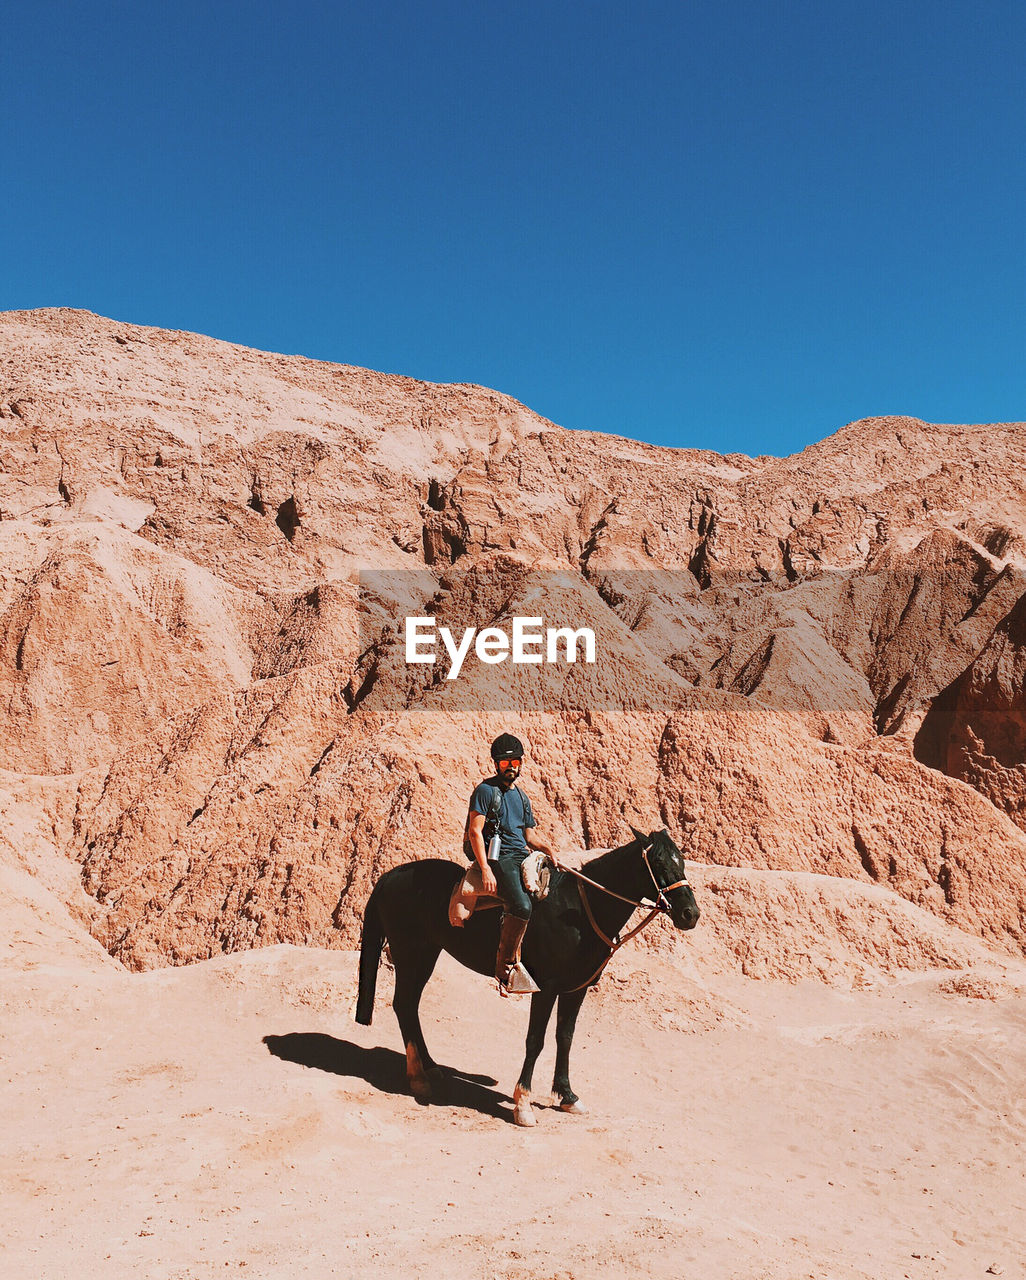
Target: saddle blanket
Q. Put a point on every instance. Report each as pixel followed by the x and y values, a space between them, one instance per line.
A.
pixel 468 897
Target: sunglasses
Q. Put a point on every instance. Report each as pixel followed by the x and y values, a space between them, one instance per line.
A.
pixel 515 763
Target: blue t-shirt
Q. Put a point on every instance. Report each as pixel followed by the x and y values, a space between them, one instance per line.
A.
pixel 514 814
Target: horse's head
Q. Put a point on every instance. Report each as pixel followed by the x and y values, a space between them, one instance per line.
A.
pixel 666 864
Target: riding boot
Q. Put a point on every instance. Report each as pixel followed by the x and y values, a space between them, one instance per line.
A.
pixel 512 977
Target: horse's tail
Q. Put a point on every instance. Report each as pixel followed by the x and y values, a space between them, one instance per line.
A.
pixel 371 942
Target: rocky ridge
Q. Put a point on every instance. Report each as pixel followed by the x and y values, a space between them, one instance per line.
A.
pixel 207 720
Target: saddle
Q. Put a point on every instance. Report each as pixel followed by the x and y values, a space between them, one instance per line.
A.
pixel 468 897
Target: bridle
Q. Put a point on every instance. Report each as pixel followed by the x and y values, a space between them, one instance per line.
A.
pixel 661 906
pixel 661 902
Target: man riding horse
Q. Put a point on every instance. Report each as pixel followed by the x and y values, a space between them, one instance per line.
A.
pixel 500 834
pixel 575 931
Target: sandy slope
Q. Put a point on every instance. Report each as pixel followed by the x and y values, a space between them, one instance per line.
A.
pixel 230 1118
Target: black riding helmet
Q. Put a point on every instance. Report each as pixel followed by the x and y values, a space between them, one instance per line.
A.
pixel 506 747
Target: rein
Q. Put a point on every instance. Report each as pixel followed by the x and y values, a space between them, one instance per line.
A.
pixel 659 907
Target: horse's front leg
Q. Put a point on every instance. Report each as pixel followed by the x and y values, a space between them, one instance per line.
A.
pixel 542 1003
pixel 566 1021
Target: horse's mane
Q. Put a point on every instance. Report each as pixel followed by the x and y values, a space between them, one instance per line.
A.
pixel 605 859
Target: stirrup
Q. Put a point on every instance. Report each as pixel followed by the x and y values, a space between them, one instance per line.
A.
pixel 518 982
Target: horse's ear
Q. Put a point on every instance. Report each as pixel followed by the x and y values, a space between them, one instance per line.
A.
pixel 639 835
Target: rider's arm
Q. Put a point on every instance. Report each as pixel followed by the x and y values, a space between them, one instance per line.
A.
pixel 475 834
pixel 535 841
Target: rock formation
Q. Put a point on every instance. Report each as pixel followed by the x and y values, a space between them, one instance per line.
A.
pixel 812 664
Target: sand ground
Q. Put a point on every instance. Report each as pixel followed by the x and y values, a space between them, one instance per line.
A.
pixel 231 1118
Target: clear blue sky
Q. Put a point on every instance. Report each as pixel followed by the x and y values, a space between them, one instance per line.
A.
pixel 733 225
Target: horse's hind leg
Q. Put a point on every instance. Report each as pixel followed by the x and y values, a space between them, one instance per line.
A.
pixel 566 1021
pixel 411 975
pixel 542 1003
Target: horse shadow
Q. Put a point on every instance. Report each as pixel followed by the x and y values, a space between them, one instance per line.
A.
pixel 385 1070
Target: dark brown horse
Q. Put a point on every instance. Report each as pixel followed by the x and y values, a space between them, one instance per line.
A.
pixel 571 934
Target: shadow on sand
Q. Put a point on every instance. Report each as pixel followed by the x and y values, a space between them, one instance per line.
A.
pixel 385 1069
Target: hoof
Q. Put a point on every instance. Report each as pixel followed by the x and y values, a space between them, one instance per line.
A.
pixel 422 1091
pixel 574 1108
pixel 438 1085
pixel 420 1084
pixel 522 1113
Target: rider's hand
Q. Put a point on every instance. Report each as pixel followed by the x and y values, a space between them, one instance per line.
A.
pixel 489 884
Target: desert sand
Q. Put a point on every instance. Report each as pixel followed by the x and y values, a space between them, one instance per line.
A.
pixel 231 1117
pixel 210 748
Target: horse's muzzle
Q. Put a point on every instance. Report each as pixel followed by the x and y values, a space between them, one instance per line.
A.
pixel 685 912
